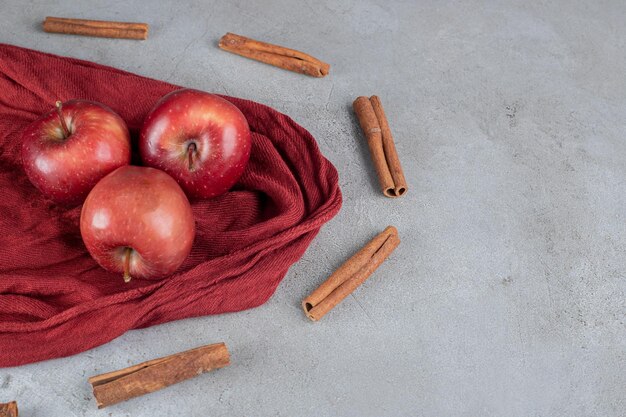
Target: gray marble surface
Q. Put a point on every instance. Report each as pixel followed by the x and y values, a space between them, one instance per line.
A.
pixel 507 294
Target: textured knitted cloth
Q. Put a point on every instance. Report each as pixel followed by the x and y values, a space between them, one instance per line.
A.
pixel 56 301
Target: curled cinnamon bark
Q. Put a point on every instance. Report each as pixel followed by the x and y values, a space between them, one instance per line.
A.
pixel 8 409
pixel 99 28
pixel 351 274
pixel 279 56
pixel 374 124
pixel 150 376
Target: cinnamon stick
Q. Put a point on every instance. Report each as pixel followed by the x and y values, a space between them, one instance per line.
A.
pixel 276 55
pixel 99 28
pixel 351 274
pixel 153 375
pixel 8 409
pixel 374 124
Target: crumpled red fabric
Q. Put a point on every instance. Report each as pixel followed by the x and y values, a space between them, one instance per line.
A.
pixel 56 301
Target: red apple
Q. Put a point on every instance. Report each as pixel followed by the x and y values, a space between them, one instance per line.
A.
pixel 138 222
pixel 68 150
pixel 200 139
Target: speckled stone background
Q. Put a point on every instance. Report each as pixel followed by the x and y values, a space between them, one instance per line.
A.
pixel 507 294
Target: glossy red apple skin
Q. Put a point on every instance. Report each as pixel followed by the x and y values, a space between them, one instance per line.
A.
pixel 66 169
pixel 212 129
pixel 145 210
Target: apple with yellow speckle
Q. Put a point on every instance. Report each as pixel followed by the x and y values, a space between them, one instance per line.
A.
pixel 203 141
pixel 137 222
pixel 68 150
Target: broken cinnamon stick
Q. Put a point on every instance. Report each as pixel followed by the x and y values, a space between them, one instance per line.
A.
pixel 99 28
pixel 351 274
pixel 153 375
pixel 374 123
pixel 8 409
pixel 276 55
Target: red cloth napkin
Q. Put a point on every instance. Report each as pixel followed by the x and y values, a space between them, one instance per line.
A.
pixel 56 301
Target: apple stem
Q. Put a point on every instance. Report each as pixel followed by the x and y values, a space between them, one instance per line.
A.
pixel 127 253
pixel 66 131
pixel 191 150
